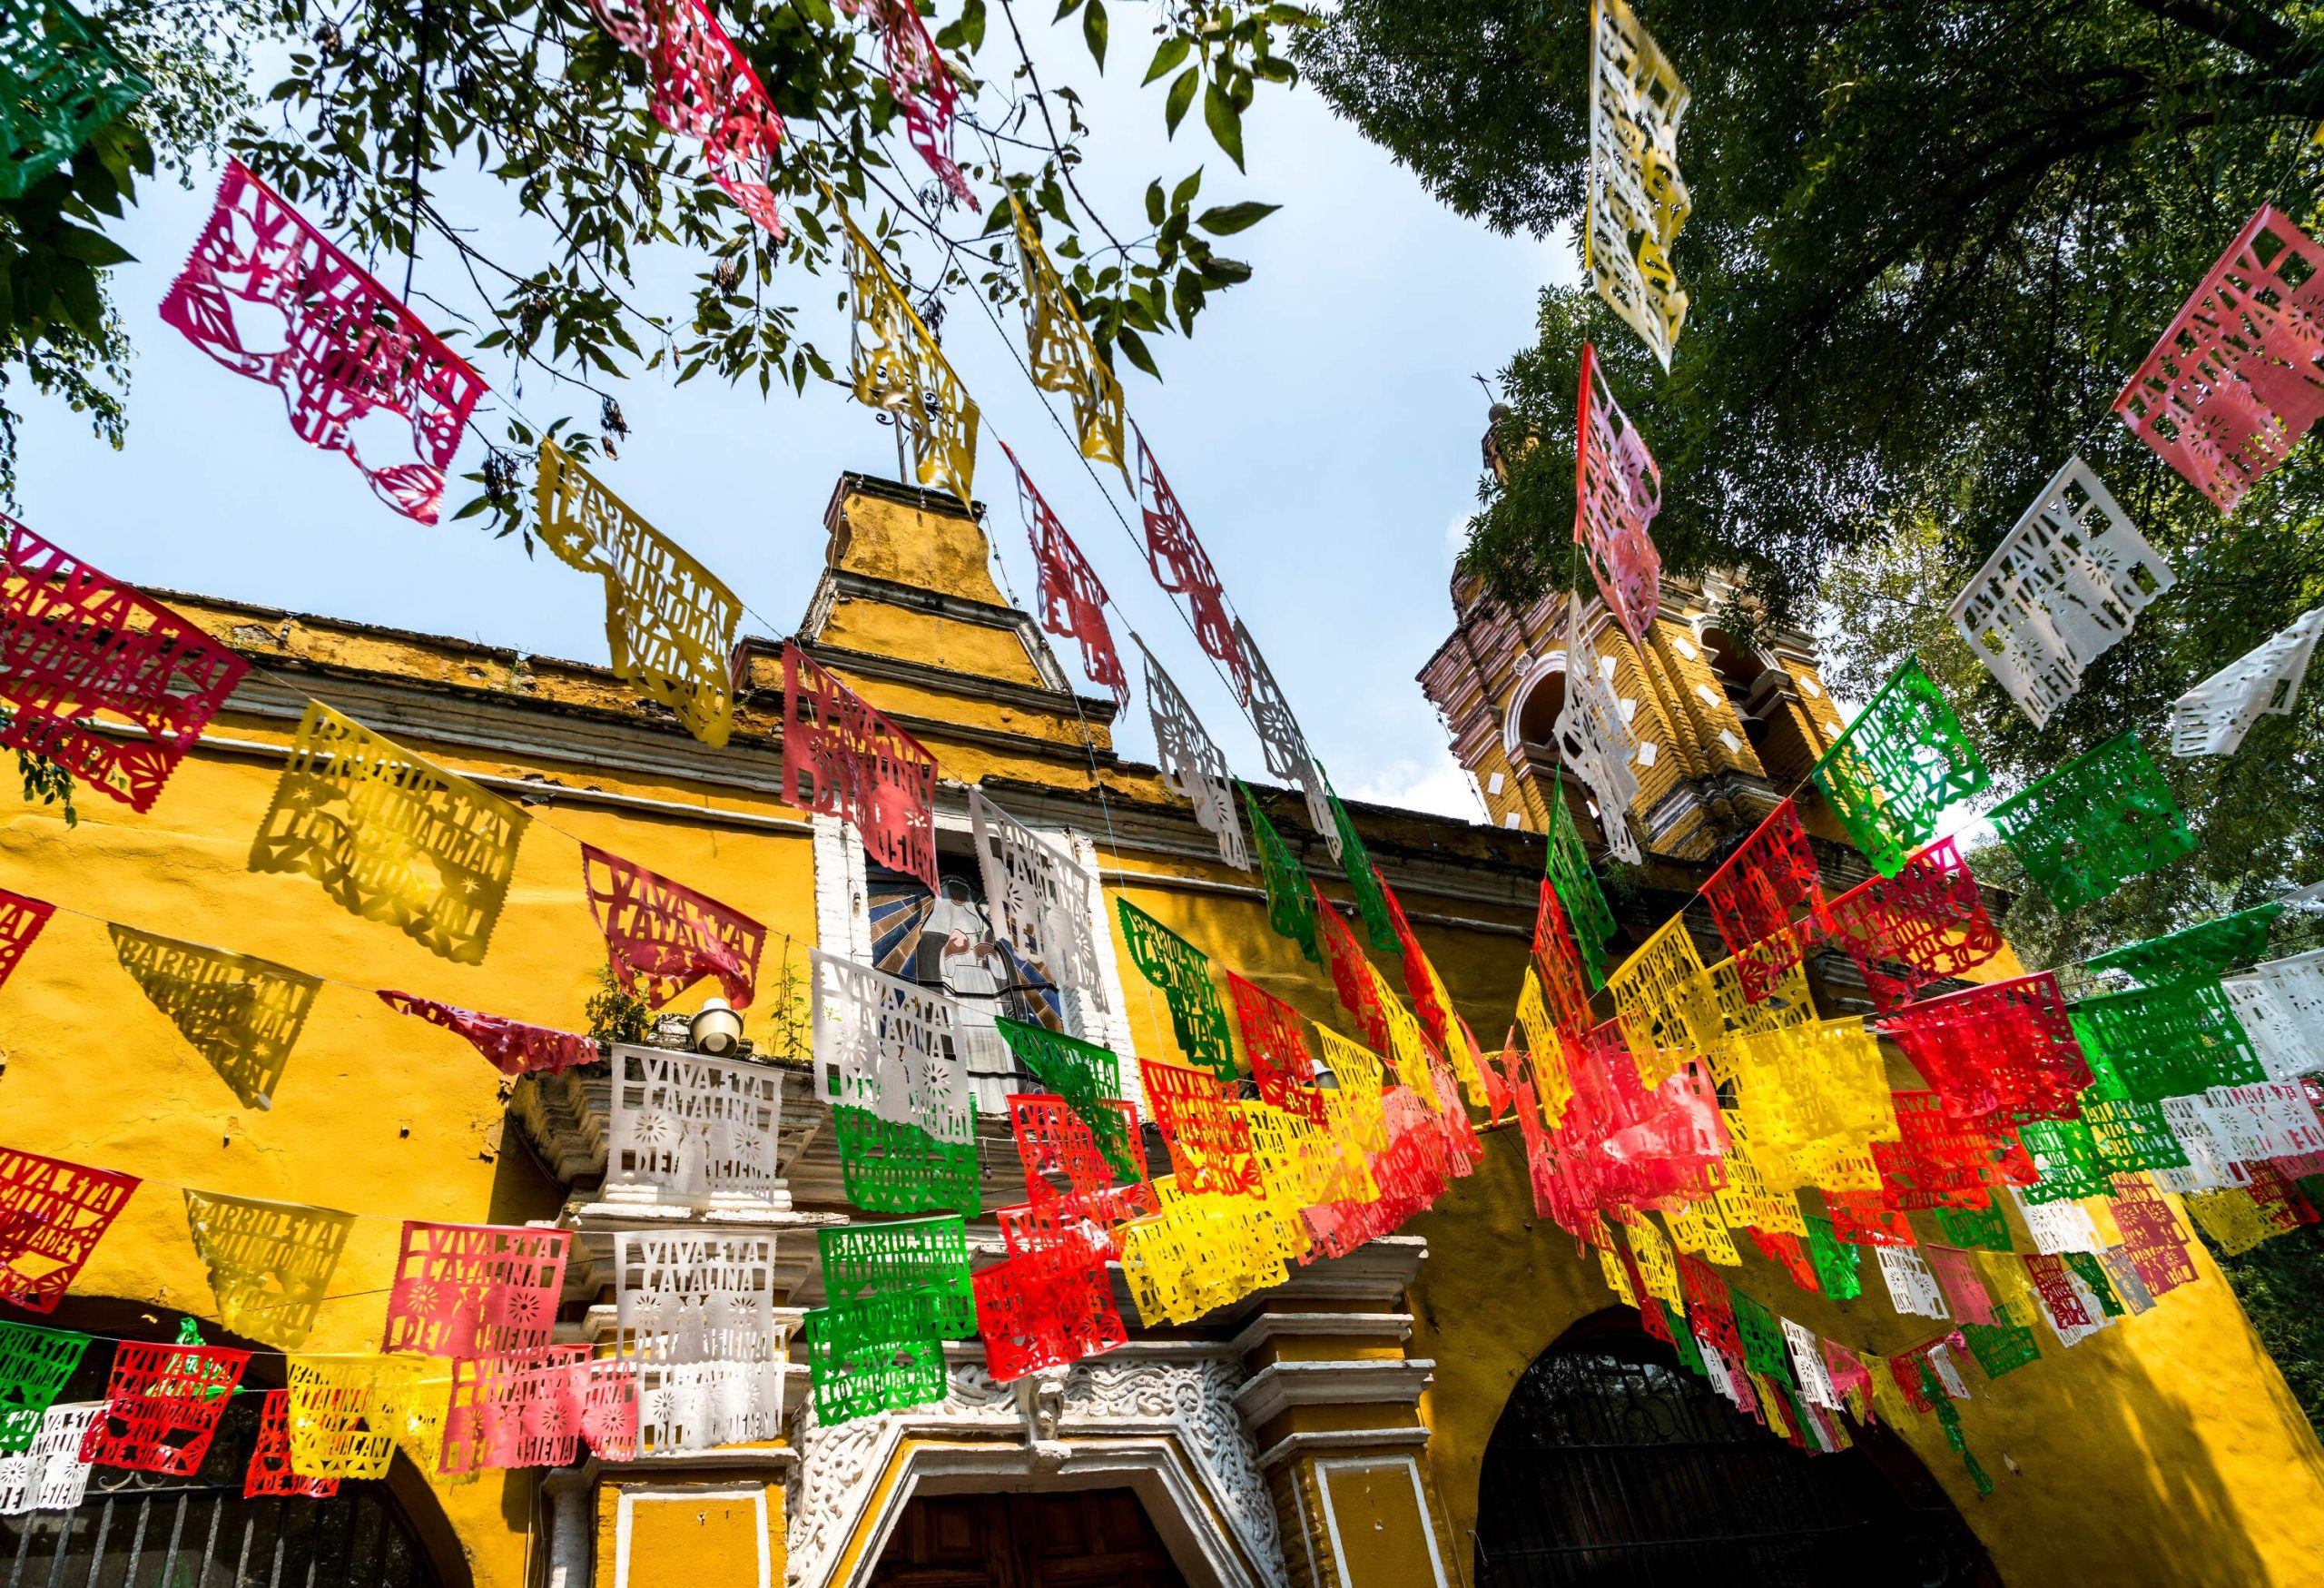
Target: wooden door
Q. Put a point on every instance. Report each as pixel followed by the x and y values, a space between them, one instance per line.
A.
pixel 1093 1538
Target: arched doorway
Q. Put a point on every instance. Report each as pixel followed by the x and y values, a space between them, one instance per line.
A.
pixel 1611 1463
pixel 137 1529
pixel 1091 1538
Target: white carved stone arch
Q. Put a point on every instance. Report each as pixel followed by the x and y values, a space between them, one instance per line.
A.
pixel 1533 678
pixel 1161 1423
pixel 1648 750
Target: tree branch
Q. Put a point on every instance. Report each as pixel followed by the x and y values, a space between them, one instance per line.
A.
pixel 1041 100
pixel 2263 38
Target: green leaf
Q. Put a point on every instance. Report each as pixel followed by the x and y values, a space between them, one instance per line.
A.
pixel 1093 32
pixel 1225 122
pixel 1182 94
pixel 1167 58
pixel 1226 219
pixel 1155 208
pixel 1225 272
pixel 1184 194
pixel 1134 346
pixel 91 248
pixel 967 31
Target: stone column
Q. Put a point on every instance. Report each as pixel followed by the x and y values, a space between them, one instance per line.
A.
pixel 572 1547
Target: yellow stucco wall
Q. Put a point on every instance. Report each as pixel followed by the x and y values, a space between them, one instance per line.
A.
pixel 705 1533
pixel 2166 1450
pixel 376 1114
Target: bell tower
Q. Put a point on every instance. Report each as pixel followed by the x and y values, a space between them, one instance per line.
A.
pixel 1721 730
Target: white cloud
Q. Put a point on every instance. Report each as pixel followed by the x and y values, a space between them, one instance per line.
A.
pixel 1456 535
pixel 1436 785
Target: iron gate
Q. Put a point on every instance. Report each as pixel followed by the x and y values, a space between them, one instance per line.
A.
pixel 142 1530
pixel 1611 1464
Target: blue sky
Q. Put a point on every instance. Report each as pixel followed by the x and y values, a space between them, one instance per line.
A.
pixel 1321 427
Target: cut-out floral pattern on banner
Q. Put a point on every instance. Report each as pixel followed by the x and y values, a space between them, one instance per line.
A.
pixel 162 1406
pixel 1183 569
pixel 890 1061
pixel 1637 199
pixel 36 1364
pixel 2007 1047
pixel 350 1413
pixel 670 622
pixel 241 1013
pixel 2202 953
pixel 1209 1140
pixel 2212 718
pixel 1925 923
pixel 921 84
pixel 1050 1303
pixel 1063 357
pixel 73 642
pixel 1618 491
pixel 662 937
pixel 687 1124
pixel 1191 763
pixel 1767 887
pixel 1594 740
pixel 1898 767
pixel 1042 900
pixel 2229 388
pixel 2059 592
pixel 1072 596
pixel 2093 824
pixel 843 758
pixel 269 1262
pixel 391 838
pixel 270 1474
pixel 1086 1076
pixel 52 1213
pixel 1285 746
pixel 703 88
pixel 475 1289
pixel 1274 1041
pixel 1181 972
pixel 896 366
pixel 347 348
pixel 1660 996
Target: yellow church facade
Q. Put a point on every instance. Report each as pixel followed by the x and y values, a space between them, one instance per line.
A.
pixel 1461 1405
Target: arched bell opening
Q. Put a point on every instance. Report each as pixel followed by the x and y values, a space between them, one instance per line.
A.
pixel 1531 738
pixel 1611 1463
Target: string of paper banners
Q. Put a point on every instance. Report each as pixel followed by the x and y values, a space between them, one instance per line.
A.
pixel 2190 1080
pixel 466 1375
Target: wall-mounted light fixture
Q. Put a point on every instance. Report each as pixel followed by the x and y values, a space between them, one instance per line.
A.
pixel 717 1030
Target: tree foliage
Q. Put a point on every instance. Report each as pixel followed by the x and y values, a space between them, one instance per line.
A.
pixel 508 143
pixel 2280 1284
pixel 1930 239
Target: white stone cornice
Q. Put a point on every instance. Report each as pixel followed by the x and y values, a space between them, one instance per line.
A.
pixel 1275 1388
pixel 1290 1447
pixel 1269 1325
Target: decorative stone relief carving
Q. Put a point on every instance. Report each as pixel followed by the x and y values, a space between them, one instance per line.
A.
pixel 1192 1402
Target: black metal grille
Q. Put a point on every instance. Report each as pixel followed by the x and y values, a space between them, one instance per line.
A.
pixel 1611 1465
pixel 140 1530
